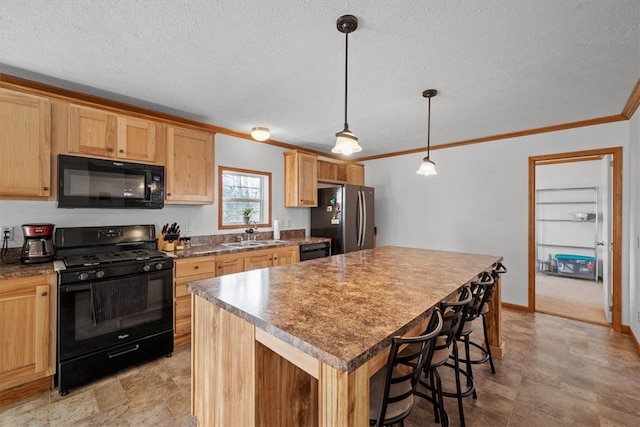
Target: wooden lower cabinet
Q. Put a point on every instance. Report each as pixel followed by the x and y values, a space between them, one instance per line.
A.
pixel 191 269
pixel 187 270
pixel 229 264
pixel 27 336
pixel 286 255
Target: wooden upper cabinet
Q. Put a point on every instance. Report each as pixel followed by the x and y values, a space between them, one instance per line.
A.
pixel 351 173
pixel 140 140
pixel 27 330
pixel 25 145
pixel 99 133
pixel 300 179
pixel 340 173
pixel 189 176
pixel 91 132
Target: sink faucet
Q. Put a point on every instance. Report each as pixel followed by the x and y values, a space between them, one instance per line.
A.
pixel 252 230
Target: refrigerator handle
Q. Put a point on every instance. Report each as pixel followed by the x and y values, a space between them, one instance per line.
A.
pixel 359 220
pixel 364 218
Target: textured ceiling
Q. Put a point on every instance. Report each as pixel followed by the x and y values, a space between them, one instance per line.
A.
pixel 500 66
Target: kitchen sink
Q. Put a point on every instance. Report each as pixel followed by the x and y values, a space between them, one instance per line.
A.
pixel 243 244
pixel 272 242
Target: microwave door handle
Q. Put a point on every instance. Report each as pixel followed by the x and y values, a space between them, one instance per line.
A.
pixel 147 187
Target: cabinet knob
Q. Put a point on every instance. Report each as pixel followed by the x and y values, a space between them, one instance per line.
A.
pixel 45 188
pixel 44 294
pixel 168 194
pixel 196 267
pixel 109 149
pixel 122 151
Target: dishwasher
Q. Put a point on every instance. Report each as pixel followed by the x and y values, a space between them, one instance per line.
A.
pixel 314 250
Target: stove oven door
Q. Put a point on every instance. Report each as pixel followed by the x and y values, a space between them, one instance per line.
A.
pixel 102 314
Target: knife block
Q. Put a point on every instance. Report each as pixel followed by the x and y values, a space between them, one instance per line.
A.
pixel 166 246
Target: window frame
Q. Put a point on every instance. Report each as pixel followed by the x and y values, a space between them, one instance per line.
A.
pixel 221 171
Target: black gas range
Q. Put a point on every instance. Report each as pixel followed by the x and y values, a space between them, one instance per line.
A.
pixel 115 301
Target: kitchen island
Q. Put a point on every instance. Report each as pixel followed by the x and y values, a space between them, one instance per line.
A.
pixel 296 344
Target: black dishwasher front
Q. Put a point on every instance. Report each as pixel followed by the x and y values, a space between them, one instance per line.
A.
pixel 314 250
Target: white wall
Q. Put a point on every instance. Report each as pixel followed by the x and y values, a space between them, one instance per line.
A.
pixel 478 202
pixel 634 255
pixel 230 151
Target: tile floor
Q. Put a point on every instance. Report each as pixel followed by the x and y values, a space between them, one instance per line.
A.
pixel 555 372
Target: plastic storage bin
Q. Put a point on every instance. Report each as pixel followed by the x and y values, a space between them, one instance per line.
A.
pixel 576 265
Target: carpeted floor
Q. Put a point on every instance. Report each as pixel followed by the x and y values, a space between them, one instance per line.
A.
pixel 571 298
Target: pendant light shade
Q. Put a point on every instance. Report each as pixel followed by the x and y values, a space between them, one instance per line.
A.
pixel 260 133
pixel 346 141
pixel 428 167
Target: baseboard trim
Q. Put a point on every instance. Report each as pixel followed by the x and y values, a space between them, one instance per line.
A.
pixel 514 306
pixel 23 391
pixel 626 329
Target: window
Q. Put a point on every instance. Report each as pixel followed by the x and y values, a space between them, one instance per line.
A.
pixel 240 189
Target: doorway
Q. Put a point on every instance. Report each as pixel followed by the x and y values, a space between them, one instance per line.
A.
pixel 589 212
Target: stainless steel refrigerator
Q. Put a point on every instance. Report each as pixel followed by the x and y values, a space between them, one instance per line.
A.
pixel 345 214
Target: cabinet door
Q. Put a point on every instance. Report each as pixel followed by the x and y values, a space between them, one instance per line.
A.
pixel 182 316
pixel 301 179
pixel 25 335
pixel 228 264
pixel 138 140
pixel 258 259
pixel 91 132
pixel 189 166
pixel 353 173
pixel 288 255
pixel 25 145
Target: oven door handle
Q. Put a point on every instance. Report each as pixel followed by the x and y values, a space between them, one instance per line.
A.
pixel 123 352
pixel 76 288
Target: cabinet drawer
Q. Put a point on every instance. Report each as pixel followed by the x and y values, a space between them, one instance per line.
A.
pixel 195 266
pixel 181 288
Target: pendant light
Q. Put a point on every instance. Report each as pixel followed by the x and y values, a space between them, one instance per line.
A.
pixel 428 167
pixel 346 141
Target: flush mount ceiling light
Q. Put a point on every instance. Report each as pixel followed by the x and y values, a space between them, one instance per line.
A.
pixel 428 167
pixel 260 133
pixel 346 141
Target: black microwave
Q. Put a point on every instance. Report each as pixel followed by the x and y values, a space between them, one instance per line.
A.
pixel 94 183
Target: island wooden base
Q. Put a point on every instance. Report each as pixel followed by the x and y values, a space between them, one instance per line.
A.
pixel 238 380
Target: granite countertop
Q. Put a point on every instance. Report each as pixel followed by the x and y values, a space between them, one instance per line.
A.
pixel 14 269
pixel 344 309
pixel 218 249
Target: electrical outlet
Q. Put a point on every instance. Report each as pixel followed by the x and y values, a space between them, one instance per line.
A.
pixel 288 223
pixel 638 316
pixel 7 232
pixel 187 226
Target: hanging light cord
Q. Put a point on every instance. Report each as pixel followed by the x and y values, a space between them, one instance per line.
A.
pixel 429 129
pixel 346 68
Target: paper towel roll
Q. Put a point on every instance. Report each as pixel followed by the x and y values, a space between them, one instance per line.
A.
pixel 276 229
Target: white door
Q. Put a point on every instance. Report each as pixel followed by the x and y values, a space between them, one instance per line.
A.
pixel 604 244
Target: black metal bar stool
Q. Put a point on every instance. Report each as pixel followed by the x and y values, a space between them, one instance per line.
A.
pixel 430 384
pixel 485 347
pixel 391 389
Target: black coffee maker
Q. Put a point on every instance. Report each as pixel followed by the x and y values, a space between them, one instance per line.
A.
pixel 38 243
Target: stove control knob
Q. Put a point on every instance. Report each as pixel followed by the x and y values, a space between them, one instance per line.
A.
pixel 159 266
pixel 83 276
pixel 99 274
pixel 146 267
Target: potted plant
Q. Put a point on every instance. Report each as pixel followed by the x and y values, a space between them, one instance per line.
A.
pixel 247 215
